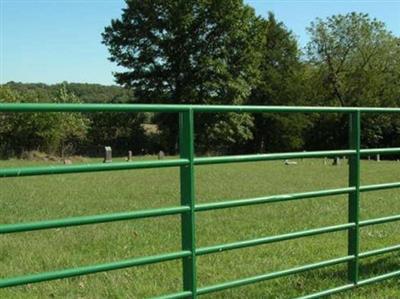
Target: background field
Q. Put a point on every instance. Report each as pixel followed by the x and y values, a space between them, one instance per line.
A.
pixel 48 197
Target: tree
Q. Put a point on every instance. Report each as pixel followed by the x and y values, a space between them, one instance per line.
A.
pixel 279 84
pixel 355 59
pixel 69 128
pixel 189 51
pixel 49 132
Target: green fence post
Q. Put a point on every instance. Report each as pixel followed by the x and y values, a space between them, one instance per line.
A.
pixel 186 149
pixel 354 197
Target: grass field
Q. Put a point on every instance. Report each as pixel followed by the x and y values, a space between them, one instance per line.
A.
pixel 49 197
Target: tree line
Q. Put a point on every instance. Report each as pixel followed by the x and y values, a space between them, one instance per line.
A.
pixel 221 52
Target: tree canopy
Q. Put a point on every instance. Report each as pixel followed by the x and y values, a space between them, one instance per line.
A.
pixel 221 52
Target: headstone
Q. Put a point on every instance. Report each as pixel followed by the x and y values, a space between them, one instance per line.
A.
pixel 67 161
pixel 161 155
pixel 287 162
pixel 107 154
pixel 369 158
pixel 378 158
pixel 325 160
pixel 336 161
pixel 129 156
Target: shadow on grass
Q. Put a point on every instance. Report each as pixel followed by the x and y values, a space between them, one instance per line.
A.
pixel 369 268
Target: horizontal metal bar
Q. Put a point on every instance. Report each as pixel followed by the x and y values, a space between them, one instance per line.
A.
pixel 271 199
pixel 351 286
pixel 379 278
pixel 270 157
pixel 380 220
pixel 83 107
pixel 329 292
pixel 93 219
pixel 278 238
pixel 391 150
pixel 184 294
pixel 379 187
pixel 59 107
pixel 15 281
pixel 290 109
pixel 273 275
pixel 92 167
pixel 379 251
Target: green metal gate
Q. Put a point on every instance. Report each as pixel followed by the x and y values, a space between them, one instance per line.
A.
pixel 188 208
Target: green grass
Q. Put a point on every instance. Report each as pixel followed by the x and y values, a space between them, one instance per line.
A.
pixel 50 197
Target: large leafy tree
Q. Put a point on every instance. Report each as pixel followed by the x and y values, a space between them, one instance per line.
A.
pixel 358 58
pixel 279 84
pixel 354 61
pixel 189 51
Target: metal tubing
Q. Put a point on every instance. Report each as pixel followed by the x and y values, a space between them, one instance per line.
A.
pixel 271 199
pixel 329 292
pixel 92 167
pixel 354 197
pixel 94 219
pixel 352 286
pixel 273 239
pixel 391 150
pixel 379 187
pixel 270 157
pixel 169 108
pixel 379 251
pixel 379 220
pixel 184 294
pixel 379 278
pixel 59 107
pixel 188 206
pixel 273 275
pixel 15 281
pixel 187 185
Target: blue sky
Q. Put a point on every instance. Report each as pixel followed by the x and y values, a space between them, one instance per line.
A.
pixel 60 40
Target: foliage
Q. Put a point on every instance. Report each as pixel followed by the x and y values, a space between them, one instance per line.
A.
pixel 220 52
pixel 354 61
pixel 279 84
pixel 50 132
pixel 188 52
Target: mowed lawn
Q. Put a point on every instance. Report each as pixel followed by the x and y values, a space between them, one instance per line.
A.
pixel 50 197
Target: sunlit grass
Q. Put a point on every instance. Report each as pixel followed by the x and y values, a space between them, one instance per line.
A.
pixel 50 197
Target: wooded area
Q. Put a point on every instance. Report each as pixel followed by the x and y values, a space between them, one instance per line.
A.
pixel 220 52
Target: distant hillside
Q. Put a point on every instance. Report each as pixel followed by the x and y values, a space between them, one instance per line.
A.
pixel 86 92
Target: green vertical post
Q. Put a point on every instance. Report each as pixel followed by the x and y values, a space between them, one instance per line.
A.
pixel 186 149
pixel 354 197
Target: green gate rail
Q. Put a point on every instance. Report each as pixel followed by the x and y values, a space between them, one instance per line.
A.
pixel 188 208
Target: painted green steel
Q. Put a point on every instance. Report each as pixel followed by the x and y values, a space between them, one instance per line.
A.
pixel 332 291
pixel 184 294
pixel 354 197
pixel 352 286
pixel 15 281
pixel 92 167
pixel 169 108
pixel 273 239
pixel 380 220
pixel 379 251
pixel 270 157
pixel 188 223
pixel 95 219
pixel 188 208
pixel 377 187
pixel 271 199
pixel 379 278
pixel 382 151
pixel 273 275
